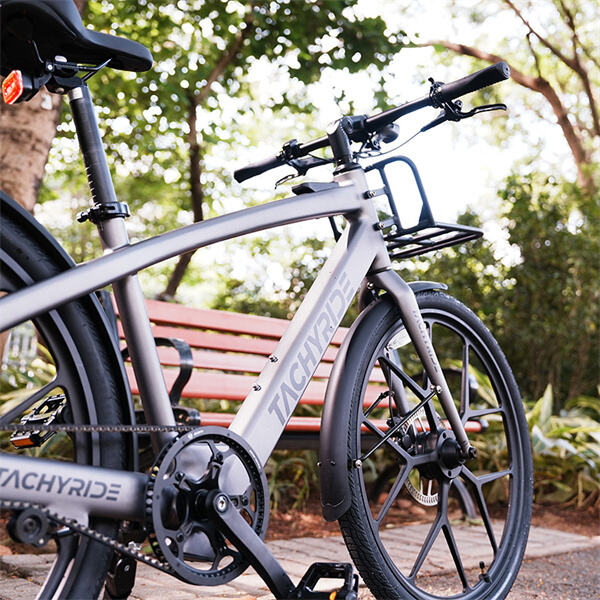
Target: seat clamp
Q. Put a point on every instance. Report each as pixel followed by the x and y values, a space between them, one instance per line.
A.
pixel 102 212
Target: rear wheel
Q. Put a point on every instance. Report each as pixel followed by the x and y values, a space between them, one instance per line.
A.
pixel 61 356
pixel 415 473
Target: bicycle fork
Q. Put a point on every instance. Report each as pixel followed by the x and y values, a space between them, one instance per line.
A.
pixel 417 330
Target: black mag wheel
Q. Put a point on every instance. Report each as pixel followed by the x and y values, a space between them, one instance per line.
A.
pixel 417 473
pixel 59 358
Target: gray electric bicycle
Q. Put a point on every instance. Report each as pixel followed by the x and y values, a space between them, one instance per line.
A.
pixel 69 466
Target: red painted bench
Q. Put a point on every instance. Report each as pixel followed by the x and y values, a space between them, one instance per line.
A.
pixel 229 350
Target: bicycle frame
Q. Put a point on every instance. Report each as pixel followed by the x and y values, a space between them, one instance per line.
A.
pixel 360 252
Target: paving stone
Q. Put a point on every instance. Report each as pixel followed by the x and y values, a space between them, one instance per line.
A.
pixel 13 588
pixel 18 573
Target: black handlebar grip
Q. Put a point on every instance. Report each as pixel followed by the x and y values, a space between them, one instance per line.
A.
pixel 254 169
pixel 471 83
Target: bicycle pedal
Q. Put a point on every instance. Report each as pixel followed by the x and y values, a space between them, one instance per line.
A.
pixel 45 413
pixel 321 570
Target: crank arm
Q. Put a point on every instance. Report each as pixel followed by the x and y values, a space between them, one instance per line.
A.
pixel 246 540
pixel 417 330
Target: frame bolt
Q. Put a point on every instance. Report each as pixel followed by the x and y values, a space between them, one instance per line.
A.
pixel 438 389
pixel 273 358
pixel 358 463
pixel 256 387
pixel 472 452
pixel 221 503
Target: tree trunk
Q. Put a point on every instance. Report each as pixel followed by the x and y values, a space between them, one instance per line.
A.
pixel 26 134
pixel 197 195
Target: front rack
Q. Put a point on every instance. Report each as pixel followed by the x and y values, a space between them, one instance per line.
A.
pixel 428 234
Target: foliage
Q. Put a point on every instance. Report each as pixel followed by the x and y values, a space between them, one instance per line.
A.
pixel 566 449
pixel 551 312
pixel 543 306
pixel 293 476
pixel 161 127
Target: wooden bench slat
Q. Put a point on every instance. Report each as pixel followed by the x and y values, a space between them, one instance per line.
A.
pixel 312 424
pixel 239 344
pixel 225 386
pixel 219 320
pixel 224 342
pixel 241 363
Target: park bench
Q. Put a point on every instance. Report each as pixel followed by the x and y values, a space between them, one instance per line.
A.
pixel 228 351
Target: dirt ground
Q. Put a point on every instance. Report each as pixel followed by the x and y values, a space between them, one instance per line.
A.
pixel 286 523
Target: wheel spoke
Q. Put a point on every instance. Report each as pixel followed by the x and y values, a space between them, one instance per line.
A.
pixel 447 529
pixel 489 477
pixel 465 400
pixel 482 412
pixel 440 520
pixel 393 493
pixel 481 503
pixel 429 540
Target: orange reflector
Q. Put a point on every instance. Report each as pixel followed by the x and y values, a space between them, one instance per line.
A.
pixel 22 442
pixel 12 87
pixel 332 595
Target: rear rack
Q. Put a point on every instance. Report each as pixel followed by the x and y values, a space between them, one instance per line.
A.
pixel 428 234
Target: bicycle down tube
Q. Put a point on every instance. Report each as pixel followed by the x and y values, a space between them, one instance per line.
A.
pixel 269 405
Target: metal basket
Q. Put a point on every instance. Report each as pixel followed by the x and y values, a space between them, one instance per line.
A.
pixel 428 234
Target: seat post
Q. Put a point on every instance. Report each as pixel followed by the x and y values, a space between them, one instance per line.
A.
pixel 94 158
pixel 109 216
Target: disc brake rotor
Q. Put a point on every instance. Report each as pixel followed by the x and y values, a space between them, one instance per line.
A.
pixel 423 494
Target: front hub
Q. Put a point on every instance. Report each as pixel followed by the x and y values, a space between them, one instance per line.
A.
pixel 451 457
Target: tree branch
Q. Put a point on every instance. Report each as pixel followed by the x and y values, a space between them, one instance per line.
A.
pixel 542 86
pixel 570 62
pixel 536 58
pixel 573 63
pixel 571 23
pixel 226 59
pixel 581 70
pixel 195 152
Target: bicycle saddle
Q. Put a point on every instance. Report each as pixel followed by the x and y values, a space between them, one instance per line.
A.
pixel 55 28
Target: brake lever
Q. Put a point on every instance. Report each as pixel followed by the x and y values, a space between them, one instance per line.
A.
pixel 483 108
pixel 451 111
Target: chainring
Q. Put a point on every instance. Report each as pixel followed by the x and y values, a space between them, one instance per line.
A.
pixel 180 529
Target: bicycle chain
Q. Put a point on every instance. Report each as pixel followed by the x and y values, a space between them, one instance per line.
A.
pixel 99 428
pixel 72 524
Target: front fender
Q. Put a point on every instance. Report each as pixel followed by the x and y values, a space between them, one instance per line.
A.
pixel 335 424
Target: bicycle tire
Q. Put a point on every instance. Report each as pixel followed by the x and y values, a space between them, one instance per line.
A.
pixel 389 572
pixel 73 337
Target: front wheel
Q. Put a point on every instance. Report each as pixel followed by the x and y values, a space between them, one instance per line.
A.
pixel 414 474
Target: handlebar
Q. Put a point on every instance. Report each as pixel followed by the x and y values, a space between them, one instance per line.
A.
pixel 439 94
pixel 254 169
pixel 473 82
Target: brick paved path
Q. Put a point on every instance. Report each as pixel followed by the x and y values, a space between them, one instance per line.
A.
pixel 21 575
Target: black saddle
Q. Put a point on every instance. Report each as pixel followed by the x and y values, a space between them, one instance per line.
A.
pixel 34 29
